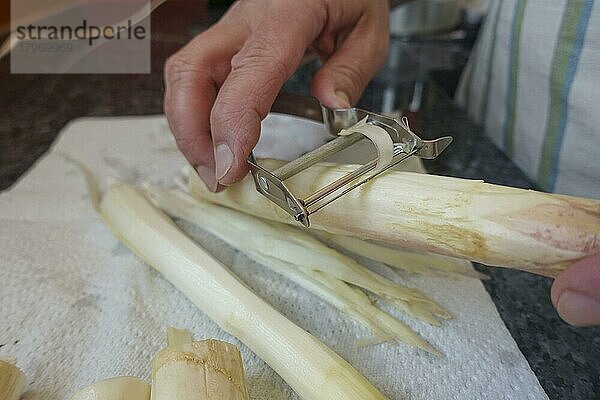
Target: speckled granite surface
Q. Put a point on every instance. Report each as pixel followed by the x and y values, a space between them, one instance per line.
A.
pixel 565 359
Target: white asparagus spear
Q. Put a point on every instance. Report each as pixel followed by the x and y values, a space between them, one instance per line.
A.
pixel 313 370
pixel 259 238
pixel 121 387
pixel 197 370
pixel 495 225
pixel 12 381
pixel 293 246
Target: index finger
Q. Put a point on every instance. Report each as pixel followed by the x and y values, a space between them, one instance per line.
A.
pixel 269 57
pixel 192 78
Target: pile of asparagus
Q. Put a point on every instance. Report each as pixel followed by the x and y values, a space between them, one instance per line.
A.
pixel 455 218
pixel 511 227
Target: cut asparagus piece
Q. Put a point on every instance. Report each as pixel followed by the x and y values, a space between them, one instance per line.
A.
pixel 122 387
pixel 12 381
pixel 197 370
pixel 312 369
pixel 178 336
pixel 495 225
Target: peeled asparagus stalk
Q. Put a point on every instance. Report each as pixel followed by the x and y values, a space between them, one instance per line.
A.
pixel 293 246
pixel 201 370
pixel 495 225
pixel 312 369
pixel 259 240
pixel 122 387
pixel 12 381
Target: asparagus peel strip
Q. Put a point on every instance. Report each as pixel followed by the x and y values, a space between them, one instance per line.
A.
pixel 491 224
pixel 312 369
pixel 403 259
pixel 379 137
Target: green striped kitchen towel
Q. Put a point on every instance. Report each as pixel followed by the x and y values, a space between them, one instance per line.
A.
pixel 533 84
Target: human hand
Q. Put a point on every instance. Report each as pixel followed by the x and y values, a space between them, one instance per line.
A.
pixel 222 84
pixel 576 293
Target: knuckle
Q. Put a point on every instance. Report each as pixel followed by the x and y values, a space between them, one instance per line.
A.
pixel 261 58
pixel 264 72
pixel 226 117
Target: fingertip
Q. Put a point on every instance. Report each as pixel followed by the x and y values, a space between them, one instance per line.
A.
pixel 324 88
pixel 579 309
pixel 576 292
pixel 234 176
pixel 235 132
pixel 228 171
pixel 231 165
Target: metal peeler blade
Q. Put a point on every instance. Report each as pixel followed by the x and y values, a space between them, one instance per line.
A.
pixel 271 184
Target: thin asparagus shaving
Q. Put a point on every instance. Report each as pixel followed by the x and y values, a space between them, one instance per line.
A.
pixel 403 259
pixel 352 301
pixel 336 298
pixel 178 336
pixel 384 321
pixel 380 138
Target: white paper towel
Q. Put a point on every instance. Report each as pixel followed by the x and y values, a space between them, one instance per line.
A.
pixel 77 306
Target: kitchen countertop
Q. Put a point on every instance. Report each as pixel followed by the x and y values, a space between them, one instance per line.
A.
pixel 565 359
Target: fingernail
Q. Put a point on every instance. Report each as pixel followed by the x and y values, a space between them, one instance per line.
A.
pixel 578 309
pixel 343 98
pixel 223 159
pixel 208 176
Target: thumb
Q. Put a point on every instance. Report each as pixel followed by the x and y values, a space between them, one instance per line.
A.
pixel 340 82
pixel 576 293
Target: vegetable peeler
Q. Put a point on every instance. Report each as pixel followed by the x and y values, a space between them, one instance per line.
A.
pixel 271 183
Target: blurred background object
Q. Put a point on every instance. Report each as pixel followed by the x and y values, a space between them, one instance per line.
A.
pixel 475 10
pixel 431 43
pixel 425 17
pixel 435 16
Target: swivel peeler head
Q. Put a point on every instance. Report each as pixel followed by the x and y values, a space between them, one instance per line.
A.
pixel 405 144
